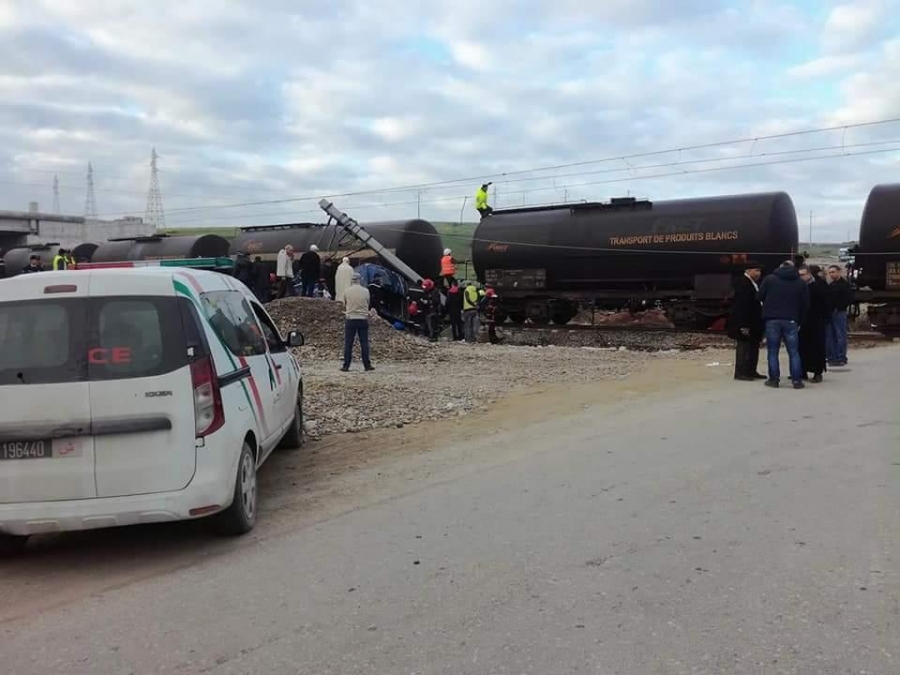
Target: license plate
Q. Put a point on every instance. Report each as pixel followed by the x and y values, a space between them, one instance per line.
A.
pixel 26 450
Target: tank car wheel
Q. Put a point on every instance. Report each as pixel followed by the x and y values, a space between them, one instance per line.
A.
pixel 561 319
pixel 517 317
pixel 540 320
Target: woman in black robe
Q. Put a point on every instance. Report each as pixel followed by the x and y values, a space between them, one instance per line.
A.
pixel 814 326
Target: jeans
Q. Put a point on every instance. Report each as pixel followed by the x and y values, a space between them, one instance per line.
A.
pixel 352 328
pixel 776 331
pixel 470 321
pixel 836 338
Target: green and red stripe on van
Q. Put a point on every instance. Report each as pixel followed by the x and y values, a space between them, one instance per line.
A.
pixel 257 410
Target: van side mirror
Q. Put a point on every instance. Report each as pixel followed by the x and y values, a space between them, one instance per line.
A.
pixel 296 339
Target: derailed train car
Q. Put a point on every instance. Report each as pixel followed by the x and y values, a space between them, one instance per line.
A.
pixel 876 263
pixel 547 262
pixel 416 242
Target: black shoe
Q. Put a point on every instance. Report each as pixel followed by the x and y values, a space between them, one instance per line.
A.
pixel 757 376
pixel 744 378
pixel 772 383
pixel 799 385
pixel 345 369
pixel 816 379
pixel 370 367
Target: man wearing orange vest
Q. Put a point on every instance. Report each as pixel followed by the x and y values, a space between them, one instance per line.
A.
pixel 448 268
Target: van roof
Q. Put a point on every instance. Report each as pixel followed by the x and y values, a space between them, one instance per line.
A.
pixel 120 278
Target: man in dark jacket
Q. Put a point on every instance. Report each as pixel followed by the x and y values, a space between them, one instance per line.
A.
pixel 454 310
pixel 310 268
pixel 812 331
pixel 841 296
pixel 785 302
pixel 745 325
pixel 262 283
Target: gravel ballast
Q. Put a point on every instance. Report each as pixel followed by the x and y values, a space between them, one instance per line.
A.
pixel 416 381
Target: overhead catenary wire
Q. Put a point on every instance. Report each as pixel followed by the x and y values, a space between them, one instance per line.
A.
pixel 507 174
pixel 683 172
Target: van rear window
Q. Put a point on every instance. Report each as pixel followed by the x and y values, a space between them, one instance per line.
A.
pixel 78 339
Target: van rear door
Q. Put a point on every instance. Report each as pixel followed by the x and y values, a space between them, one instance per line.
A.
pixel 140 387
pixel 46 451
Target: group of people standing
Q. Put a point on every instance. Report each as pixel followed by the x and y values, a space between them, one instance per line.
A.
pixel 804 307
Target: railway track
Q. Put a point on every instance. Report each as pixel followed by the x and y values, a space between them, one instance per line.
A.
pixel 855 335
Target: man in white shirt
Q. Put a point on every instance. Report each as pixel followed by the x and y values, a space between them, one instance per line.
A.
pixel 356 322
pixel 342 279
pixel 284 271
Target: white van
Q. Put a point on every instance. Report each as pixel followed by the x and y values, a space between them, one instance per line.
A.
pixel 137 396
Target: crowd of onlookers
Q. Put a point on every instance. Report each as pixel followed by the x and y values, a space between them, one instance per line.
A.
pixel 803 307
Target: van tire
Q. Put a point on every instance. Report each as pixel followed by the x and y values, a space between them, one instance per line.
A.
pixel 240 517
pixel 294 437
pixel 12 544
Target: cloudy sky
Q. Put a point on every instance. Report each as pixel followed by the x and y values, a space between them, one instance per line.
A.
pixel 268 102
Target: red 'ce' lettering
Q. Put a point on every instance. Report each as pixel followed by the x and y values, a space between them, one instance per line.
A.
pixel 116 356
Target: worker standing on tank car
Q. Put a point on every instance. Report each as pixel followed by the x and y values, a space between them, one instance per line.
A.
pixel 785 299
pixel 284 271
pixel 356 313
pixel 815 325
pixel 841 294
pixel 310 268
pixel 481 200
pixel 745 325
pixel 448 268
pixel 470 311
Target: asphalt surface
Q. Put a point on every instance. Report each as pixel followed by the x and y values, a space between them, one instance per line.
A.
pixel 718 529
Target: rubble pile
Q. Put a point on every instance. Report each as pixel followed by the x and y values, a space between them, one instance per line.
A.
pixel 322 324
pixel 649 341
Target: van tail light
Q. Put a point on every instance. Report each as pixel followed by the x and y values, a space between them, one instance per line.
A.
pixel 209 415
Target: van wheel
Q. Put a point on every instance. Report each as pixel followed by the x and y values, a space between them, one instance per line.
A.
pixel 294 437
pixel 240 517
pixel 12 544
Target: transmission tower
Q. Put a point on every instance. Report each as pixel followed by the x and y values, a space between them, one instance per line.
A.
pixel 154 212
pixel 90 202
pixel 55 194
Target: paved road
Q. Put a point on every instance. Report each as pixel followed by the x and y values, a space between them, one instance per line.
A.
pixel 726 529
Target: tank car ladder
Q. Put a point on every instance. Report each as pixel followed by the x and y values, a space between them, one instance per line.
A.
pixel 355 229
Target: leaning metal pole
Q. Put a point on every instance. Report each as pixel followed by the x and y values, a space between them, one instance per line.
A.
pixel 357 231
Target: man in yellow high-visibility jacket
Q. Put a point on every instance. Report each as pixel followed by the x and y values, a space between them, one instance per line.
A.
pixel 59 260
pixel 481 200
pixel 470 312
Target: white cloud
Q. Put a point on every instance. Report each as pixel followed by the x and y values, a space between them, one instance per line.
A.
pixel 471 55
pixel 825 66
pixel 851 26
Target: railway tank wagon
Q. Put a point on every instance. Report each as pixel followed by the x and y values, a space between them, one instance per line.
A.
pixel 877 258
pixel 15 259
pixel 161 247
pixel 416 242
pixel 546 262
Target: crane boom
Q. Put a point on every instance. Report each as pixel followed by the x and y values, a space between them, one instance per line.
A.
pixel 357 231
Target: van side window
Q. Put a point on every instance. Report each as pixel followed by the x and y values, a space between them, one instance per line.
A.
pixel 276 345
pixel 234 322
pixel 134 337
